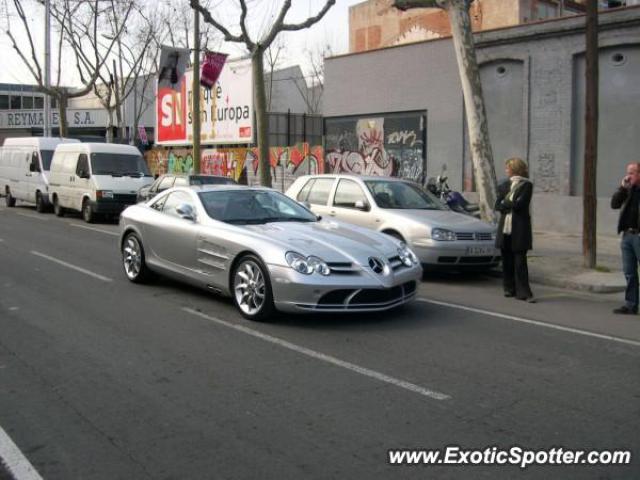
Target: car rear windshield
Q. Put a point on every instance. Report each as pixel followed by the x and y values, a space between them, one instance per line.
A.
pixel 247 207
pixel 46 155
pixel 402 196
pixel 211 180
pixel 117 164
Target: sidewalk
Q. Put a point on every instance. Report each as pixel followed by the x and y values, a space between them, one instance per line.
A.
pixel 556 260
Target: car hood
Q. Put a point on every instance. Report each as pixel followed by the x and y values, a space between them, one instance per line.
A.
pixel 330 240
pixel 444 219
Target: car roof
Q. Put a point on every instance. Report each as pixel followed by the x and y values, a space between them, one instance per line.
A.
pixel 364 178
pixel 219 187
pixel 99 148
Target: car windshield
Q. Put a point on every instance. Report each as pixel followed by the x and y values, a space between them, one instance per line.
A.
pixel 46 156
pixel 210 180
pixel 119 165
pixel 248 207
pixel 402 196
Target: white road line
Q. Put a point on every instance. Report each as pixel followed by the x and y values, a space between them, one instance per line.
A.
pixel 14 460
pixel 115 234
pixel 538 323
pixel 73 267
pixel 326 358
pixel 28 215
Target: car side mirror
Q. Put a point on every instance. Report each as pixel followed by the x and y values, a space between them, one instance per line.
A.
pixel 84 174
pixel 360 205
pixel 33 167
pixel 186 212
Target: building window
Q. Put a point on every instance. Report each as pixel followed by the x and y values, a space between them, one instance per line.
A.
pixel 4 102
pixel 54 102
pixel 16 102
pixel 38 103
pixel 27 103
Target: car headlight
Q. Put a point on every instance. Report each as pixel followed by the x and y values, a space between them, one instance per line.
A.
pixel 307 265
pixel 407 257
pixel 443 235
pixel 104 194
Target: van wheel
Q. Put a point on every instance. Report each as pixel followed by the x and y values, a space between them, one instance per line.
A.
pixel 40 206
pixel 88 215
pixel 57 209
pixel 10 201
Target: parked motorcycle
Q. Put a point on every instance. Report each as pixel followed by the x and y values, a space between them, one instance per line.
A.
pixel 454 200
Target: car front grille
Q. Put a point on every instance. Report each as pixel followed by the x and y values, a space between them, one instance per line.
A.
pixel 365 298
pixel 471 236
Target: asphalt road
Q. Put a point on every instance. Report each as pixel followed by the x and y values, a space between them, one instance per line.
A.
pixel 103 379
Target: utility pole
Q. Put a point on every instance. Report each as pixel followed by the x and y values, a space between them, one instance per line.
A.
pixel 589 199
pixel 195 91
pixel 47 67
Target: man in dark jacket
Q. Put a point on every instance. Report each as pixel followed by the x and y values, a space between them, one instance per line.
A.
pixel 627 198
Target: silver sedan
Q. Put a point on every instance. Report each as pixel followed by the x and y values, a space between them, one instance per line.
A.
pixel 266 251
pixel 401 209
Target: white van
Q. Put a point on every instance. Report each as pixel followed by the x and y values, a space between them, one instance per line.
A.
pixel 96 178
pixel 24 169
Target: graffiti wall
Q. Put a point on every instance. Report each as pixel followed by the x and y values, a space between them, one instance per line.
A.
pixel 241 163
pixel 389 145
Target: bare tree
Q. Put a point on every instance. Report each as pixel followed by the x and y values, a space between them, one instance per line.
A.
pixel 257 48
pixel 274 56
pixel 481 153
pixel 78 29
pixel 312 95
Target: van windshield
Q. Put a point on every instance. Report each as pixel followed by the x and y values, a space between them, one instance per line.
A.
pixel 119 165
pixel 46 155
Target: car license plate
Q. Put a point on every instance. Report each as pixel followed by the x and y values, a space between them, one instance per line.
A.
pixel 480 251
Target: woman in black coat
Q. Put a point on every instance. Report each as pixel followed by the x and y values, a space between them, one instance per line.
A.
pixel 514 237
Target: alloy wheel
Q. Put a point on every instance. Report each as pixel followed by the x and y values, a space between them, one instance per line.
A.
pixel 132 257
pixel 249 287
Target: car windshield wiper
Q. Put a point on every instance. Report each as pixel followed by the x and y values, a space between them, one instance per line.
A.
pixel 290 219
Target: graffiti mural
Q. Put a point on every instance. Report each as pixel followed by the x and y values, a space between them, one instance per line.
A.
pixel 236 163
pixel 390 145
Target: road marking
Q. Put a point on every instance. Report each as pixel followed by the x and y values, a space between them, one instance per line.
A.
pixel 72 267
pixel 14 460
pixel 538 323
pixel 326 358
pixel 28 215
pixel 115 234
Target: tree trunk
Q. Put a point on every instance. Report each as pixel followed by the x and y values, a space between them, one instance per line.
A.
pixel 261 116
pixel 63 126
pixel 109 136
pixel 481 154
pixel 589 199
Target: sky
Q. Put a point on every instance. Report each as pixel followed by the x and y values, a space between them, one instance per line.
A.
pixel 332 30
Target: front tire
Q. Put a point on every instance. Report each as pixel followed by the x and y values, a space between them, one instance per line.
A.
pixel 133 260
pixel 88 215
pixel 251 289
pixel 57 209
pixel 9 199
pixel 40 205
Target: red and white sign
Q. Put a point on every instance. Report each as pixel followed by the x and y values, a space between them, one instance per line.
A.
pixel 226 110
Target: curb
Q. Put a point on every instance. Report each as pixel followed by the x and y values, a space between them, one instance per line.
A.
pixel 566 283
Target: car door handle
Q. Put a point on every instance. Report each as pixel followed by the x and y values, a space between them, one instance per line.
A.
pixel 332 213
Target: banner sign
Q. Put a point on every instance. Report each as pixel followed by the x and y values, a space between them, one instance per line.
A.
pixel 211 68
pixel 226 109
pixel 76 118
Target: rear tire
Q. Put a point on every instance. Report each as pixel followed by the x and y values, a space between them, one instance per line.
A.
pixel 57 209
pixel 10 201
pixel 251 289
pixel 133 260
pixel 88 215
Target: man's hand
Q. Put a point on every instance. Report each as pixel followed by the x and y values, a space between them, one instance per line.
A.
pixel 626 182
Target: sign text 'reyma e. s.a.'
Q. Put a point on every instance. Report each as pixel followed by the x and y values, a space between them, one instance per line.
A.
pixel 226 111
pixel 85 118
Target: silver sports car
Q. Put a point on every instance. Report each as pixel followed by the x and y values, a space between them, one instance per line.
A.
pixel 266 251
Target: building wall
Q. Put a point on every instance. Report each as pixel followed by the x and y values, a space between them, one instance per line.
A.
pixel 533 111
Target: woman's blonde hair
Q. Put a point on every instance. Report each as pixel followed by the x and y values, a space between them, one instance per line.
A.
pixel 518 166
